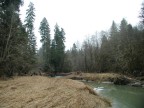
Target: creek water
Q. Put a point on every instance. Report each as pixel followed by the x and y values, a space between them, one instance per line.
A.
pixel 120 96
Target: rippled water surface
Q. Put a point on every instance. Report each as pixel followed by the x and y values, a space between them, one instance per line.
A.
pixel 121 96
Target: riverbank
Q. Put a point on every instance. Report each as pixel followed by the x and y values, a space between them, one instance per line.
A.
pixel 120 96
pixel 115 78
pixel 39 91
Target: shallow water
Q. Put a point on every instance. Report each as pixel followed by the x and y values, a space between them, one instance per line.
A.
pixel 120 96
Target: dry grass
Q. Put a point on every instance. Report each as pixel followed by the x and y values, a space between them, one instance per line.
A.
pixel 101 76
pixel 43 92
pixel 97 77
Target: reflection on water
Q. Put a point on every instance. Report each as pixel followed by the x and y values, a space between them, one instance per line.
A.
pixel 121 96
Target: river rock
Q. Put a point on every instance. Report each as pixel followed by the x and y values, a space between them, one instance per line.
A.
pixel 137 84
pixel 121 81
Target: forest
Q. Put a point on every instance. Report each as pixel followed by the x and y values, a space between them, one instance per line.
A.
pixel 120 50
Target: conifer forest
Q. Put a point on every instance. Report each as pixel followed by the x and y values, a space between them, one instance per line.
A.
pixel 119 50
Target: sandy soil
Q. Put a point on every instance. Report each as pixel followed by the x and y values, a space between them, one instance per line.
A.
pixel 43 92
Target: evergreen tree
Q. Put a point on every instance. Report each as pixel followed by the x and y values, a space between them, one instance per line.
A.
pixel 8 17
pixel 45 39
pixel 123 44
pixel 114 43
pixel 58 49
pixel 142 13
pixel 67 62
pixel 74 59
pixel 104 63
pixel 29 25
pixel 53 56
pixel 113 31
pixel 13 41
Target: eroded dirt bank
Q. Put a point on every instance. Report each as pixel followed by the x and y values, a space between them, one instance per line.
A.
pixel 43 92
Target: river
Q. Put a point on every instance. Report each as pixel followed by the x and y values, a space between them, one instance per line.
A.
pixel 120 96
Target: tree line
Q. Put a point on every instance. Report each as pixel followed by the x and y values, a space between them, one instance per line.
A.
pixel 119 50
pixel 18 52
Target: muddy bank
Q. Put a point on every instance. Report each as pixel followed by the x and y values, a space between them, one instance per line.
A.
pixel 43 92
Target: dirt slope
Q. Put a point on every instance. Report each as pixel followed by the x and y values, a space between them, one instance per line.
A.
pixel 43 92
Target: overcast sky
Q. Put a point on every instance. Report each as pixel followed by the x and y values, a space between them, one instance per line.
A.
pixel 81 18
